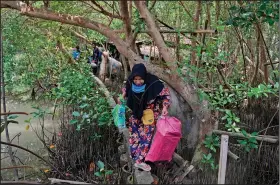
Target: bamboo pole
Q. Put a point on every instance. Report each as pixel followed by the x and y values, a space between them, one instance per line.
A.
pixel 223 159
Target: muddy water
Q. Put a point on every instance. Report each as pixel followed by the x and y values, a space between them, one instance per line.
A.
pixel 27 137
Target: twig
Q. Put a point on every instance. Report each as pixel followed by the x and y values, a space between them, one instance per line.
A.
pixel 187 11
pixel 153 5
pixel 18 134
pixel 268 128
pixel 266 131
pixel 29 151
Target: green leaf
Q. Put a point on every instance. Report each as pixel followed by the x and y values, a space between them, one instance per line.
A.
pixel 75 113
pixel 98 174
pixel 242 142
pixel 236 119
pixel 12 116
pixel 109 172
pixel 254 133
pixel 73 121
pixel 213 148
pixel 253 140
pixel 244 133
pixel 79 127
pixel 100 165
pixel 84 105
pixel 209 156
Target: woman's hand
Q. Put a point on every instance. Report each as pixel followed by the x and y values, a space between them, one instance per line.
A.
pixel 164 111
pixel 123 96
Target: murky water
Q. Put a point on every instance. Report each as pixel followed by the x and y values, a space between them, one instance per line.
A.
pixel 26 137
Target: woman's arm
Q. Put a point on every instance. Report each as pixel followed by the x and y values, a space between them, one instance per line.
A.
pixel 166 100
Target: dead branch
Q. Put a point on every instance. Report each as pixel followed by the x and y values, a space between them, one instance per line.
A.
pixel 58 181
pixel 9 113
pixel 233 156
pixel 264 138
pixel 100 9
pixel 81 37
pixel 260 71
pixel 187 11
pixel 19 182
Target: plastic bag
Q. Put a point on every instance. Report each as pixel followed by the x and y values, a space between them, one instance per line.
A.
pixel 119 115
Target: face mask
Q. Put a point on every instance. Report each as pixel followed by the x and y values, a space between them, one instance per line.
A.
pixel 138 89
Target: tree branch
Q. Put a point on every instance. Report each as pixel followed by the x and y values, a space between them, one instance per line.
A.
pixel 186 10
pixel 126 18
pixel 154 32
pixel 100 9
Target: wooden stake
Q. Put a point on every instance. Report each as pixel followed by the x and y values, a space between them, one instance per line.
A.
pixel 223 159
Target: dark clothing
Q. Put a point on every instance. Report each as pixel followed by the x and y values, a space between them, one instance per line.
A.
pixel 137 101
pixel 96 55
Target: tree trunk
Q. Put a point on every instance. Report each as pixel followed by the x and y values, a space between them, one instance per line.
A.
pixel 154 32
pixel 196 18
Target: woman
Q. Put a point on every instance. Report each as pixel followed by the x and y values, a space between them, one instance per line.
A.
pixel 144 91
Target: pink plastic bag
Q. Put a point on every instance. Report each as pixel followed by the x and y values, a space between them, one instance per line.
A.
pixel 166 139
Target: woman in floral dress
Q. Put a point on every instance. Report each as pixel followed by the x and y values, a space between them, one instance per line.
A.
pixel 144 91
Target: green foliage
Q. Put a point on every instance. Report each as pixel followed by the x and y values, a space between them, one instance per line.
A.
pixel 262 11
pixel 78 89
pixel 102 172
pixel 209 160
pixel 211 142
pixel 263 90
pixel 250 142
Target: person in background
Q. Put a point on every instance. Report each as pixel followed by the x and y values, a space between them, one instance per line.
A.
pixel 147 98
pixel 96 55
pixel 76 53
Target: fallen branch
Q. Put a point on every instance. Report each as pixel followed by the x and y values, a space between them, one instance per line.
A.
pixel 9 113
pixel 54 181
pixel 103 88
pixel 19 182
pixel 264 138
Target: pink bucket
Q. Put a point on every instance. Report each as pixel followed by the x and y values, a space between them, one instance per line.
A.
pixel 166 139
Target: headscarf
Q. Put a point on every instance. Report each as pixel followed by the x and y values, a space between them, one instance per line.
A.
pixel 137 102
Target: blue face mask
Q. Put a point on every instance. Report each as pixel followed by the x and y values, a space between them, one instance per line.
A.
pixel 138 89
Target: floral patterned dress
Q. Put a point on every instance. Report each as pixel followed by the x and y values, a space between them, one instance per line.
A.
pixel 140 135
